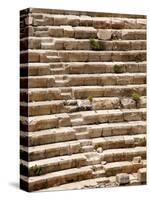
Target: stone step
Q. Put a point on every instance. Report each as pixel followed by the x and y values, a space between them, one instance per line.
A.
pixel 47 56
pixel 85 20
pixel 99 144
pixel 96 183
pixel 90 32
pixel 87 148
pixel 66 95
pixel 124 154
pixel 106 91
pixel 45 33
pixel 99 173
pixel 112 169
pixel 42 69
pixel 57 71
pixel 40 11
pixel 82 80
pixel 81 44
pixel 50 150
pixel 47 94
pixel 56 178
pixel 115 142
pixel 37 123
pixel 142 175
pixel 89 131
pixel 39 167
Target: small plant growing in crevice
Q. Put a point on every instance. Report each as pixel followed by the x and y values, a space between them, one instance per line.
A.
pixel 136 96
pixel 36 170
pixel 80 148
pixel 117 69
pixel 90 98
pixel 96 45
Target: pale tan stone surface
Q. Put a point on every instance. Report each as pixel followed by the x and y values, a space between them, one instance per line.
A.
pixel 81 125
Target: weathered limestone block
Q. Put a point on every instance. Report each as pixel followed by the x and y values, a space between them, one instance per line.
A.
pixel 118 167
pixel 39 82
pixel 64 120
pixel 122 178
pixel 128 103
pixel 45 108
pixel 142 102
pixel 130 23
pixel 106 103
pixel 34 44
pixel 68 31
pixel 86 32
pixel 132 115
pixel 117 23
pixel 106 131
pixel 116 34
pixel 137 159
pixel 139 128
pixel 128 34
pixel 115 116
pixel 86 20
pixel 74 56
pixel 73 20
pixel 102 22
pixel 33 57
pixel 77 45
pixel 142 175
pixel 64 135
pixel 43 123
pixel 139 79
pixel 86 92
pixel 141 23
pixel 107 80
pixel 43 95
pixel 81 80
pixel 56 31
pixel 104 34
pixel 84 105
pixel 93 158
pixel 90 117
pixel 140 140
pixel 60 20
pixel 29 20
pixel 124 80
pixel 121 46
pixel 95 132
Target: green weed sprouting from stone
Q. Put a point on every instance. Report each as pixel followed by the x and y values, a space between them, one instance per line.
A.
pixel 80 148
pixel 117 69
pixel 90 98
pixel 96 45
pixel 136 96
pixel 36 170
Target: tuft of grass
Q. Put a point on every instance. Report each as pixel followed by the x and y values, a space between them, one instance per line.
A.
pixel 117 69
pixel 96 45
pixel 136 96
pixel 80 148
pixel 36 170
pixel 90 98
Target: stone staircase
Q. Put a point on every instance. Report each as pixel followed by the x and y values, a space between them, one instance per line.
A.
pixel 82 99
